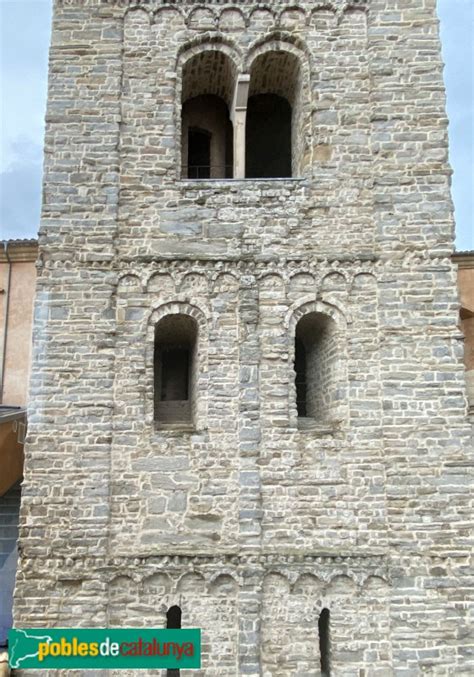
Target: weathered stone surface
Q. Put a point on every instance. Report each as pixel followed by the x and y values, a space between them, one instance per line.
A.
pixel 253 520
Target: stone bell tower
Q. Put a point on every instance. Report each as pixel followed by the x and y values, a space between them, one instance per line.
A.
pixel 247 394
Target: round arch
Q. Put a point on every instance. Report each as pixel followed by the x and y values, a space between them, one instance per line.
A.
pixel 318 364
pixel 278 134
pixel 176 364
pixel 206 87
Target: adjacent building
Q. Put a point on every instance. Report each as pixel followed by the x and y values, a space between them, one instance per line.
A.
pixel 465 263
pixel 17 289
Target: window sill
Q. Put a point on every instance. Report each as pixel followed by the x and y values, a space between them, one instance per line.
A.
pixel 310 425
pixel 175 428
pixel 202 182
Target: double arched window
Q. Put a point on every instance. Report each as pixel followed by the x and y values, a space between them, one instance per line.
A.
pixel 246 125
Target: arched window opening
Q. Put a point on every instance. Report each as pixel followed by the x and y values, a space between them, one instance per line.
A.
pixel 273 127
pixel 206 128
pixel 173 622
pixel 174 369
pixel 324 643
pixel 315 367
pixel 173 618
pixel 268 137
pixel 207 138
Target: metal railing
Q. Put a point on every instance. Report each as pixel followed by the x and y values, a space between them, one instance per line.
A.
pixel 210 172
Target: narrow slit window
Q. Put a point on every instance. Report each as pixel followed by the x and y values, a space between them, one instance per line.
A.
pixel 324 643
pixel 173 618
pixel 173 622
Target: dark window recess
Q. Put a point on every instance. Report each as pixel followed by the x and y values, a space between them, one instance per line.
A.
pixel 208 84
pixel 173 622
pixel 174 374
pixel 315 367
pixel 199 154
pixel 268 137
pixel 207 138
pixel 324 644
pixel 300 377
pixel 173 618
pixel 175 369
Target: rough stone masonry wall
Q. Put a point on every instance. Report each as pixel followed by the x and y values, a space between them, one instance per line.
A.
pixel 249 522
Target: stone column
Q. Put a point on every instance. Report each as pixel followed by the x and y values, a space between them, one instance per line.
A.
pixel 238 117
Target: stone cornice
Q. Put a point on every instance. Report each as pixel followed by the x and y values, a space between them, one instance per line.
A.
pixel 359 567
pixel 19 251
pixel 464 259
pixel 209 558
pixel 336 6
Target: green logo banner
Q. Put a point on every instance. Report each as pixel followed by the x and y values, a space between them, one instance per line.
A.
pixel 112 648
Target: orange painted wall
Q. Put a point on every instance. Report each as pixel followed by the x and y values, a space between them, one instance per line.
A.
pixel 465 264
pixel 466 293
pixel 20 321
pixel 11 455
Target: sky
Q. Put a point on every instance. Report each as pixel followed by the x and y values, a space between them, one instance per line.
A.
pixel 25 35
